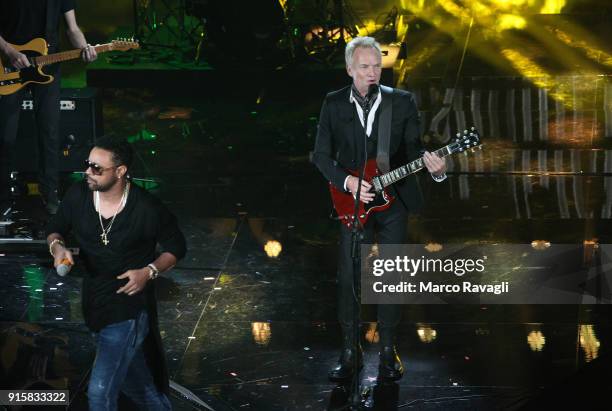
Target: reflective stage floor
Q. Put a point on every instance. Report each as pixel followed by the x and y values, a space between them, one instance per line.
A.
pixel 248 318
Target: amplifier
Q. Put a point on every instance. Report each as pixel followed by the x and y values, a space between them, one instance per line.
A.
pixel 80 125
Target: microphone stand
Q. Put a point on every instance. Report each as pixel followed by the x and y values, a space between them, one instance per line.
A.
pixel 357 399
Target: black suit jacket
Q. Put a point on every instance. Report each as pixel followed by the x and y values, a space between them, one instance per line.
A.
pixel 340 146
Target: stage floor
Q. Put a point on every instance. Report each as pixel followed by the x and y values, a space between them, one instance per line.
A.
pixel 245 330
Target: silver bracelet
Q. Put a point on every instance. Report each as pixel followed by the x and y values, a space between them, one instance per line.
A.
pixel 56 241
pixel 153 271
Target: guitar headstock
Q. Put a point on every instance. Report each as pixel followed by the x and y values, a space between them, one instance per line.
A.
pixel 124 44
pixel 468 140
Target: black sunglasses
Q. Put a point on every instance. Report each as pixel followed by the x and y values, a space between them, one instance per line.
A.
pixel 96 169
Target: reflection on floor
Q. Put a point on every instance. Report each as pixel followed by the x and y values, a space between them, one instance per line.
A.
pixel 248 318
pixel 251 331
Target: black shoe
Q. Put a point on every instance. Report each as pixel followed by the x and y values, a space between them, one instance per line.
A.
pixel 343 370
pixel 390 368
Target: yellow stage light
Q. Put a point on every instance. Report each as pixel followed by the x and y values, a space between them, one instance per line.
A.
pixel 510 21
pixel 536 340
pixel 589 342
pixel 273 248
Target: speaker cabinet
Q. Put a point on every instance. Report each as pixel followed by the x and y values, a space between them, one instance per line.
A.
pixel 80 125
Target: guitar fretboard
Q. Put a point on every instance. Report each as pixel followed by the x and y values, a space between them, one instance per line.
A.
pixel 69 55
pixel 399 173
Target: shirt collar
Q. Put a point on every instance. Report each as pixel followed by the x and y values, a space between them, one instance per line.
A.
pixel 352 98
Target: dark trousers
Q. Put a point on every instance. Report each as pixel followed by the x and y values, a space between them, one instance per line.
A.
pixel 47 113
pixel 385 227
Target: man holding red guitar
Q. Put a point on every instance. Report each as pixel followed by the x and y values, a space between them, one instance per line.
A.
pixel 348 135
pixel 20 22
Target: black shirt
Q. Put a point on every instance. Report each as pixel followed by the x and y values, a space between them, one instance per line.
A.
pixel 143 223
pixel 24 20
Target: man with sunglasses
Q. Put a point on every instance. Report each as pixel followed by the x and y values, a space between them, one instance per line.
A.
pixel 118 226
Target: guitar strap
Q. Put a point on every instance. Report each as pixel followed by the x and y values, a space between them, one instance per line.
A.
pixel 384 129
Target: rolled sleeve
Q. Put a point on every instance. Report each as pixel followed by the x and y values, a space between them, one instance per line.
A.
pixel 68 5
pixel 169 235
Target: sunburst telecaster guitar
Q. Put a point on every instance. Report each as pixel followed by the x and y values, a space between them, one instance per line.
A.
pixel 13 80
pixel 344 203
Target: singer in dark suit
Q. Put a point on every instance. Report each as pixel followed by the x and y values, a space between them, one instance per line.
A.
pixel 347 133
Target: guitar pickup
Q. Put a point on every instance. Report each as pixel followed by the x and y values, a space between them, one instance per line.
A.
pixel 67 105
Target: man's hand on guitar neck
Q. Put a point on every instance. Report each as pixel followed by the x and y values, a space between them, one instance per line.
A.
pixel 89 54
pixel 434 164
pixel 77 38
pixel 351 185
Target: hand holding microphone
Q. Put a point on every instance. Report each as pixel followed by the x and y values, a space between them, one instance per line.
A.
pixel 62 260
pixel 64 267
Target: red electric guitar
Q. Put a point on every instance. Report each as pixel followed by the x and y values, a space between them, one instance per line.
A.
pixel 344 203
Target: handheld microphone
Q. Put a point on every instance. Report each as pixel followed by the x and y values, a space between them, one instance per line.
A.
pixel 64 267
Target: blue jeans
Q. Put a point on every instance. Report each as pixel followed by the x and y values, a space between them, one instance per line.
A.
pixel 120 366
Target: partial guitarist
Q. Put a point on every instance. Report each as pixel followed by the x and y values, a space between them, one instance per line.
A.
pixel 342 145
pixel 20 22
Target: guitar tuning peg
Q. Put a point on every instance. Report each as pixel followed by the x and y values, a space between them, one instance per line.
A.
pixel 458 134
pixel 465 131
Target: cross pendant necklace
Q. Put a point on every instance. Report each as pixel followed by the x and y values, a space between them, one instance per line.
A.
pixel 106 231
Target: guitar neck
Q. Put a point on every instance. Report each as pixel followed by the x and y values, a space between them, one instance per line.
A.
pixel 68 55
pixel 404 171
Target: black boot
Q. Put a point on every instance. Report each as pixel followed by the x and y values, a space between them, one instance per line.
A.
pixel 391 367
pixel 343 370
